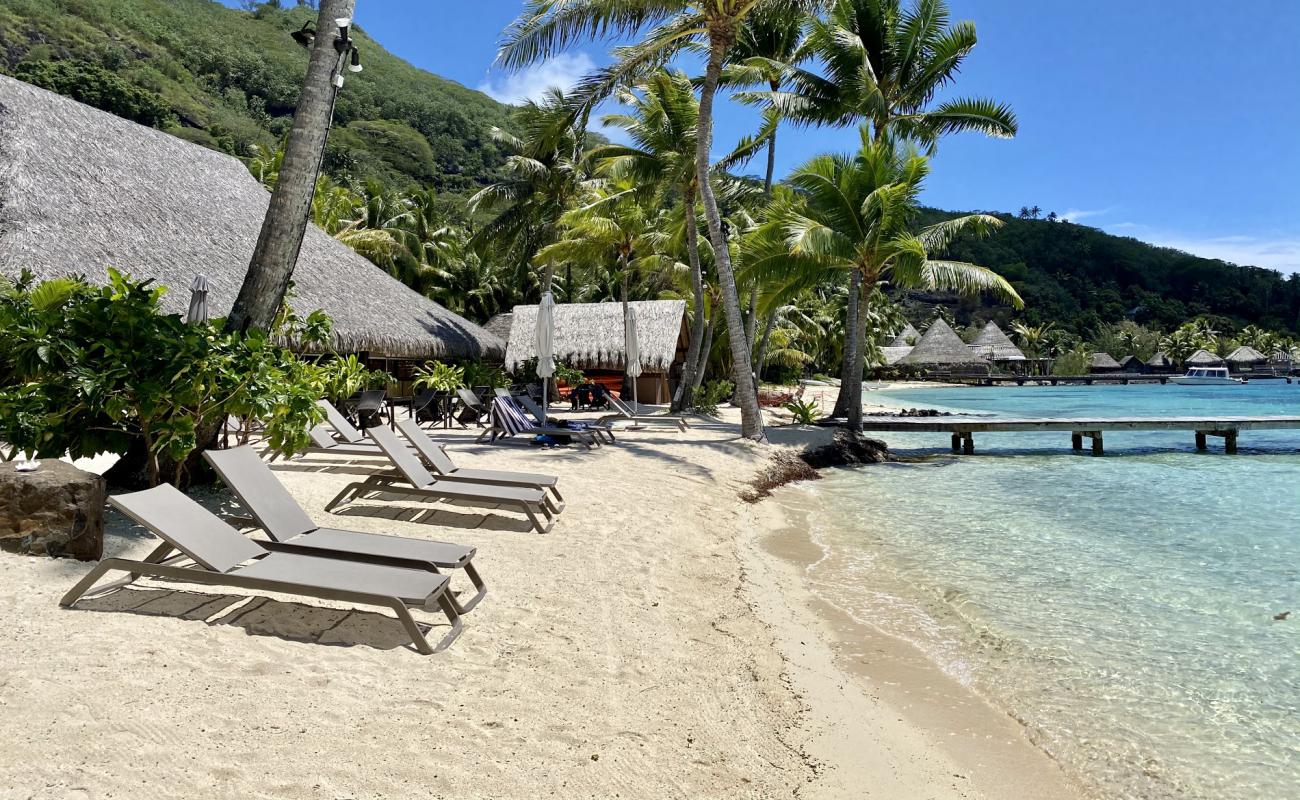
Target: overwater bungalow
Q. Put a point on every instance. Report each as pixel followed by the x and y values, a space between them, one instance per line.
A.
pixel 1203 358
pixel 941 352
pixel 83 190
pixel 1159 364
pixel 994 345
pixel 590 337
pixel 1103 363
pixel 1246 359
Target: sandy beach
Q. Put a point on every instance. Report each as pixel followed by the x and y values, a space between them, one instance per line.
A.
pixel 657 643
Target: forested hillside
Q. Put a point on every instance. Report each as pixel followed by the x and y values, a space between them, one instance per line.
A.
pixel 1080 277
pixel 228 79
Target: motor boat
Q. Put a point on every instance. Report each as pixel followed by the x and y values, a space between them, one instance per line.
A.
pixel 1206 376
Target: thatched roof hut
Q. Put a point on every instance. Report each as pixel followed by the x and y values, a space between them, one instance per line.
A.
pixel 1103 362
pixel 1159 361
pixel 941 346
pixel 589 336
pixel 1203 358
pixel 1132 363
pixel 1246 356
pixel 892 355
pixel 994 345
pixel 499 326
pixel 907 337
pixel 82 190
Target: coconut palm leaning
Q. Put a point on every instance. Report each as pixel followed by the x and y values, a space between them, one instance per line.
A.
pixel 875 61
pixel 854 213
pixel 547 27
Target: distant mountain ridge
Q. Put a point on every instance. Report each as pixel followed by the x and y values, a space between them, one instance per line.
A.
pixel 229 79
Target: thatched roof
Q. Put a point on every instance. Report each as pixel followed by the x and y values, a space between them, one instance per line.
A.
pixel 941 345
pixel 82 190
pixel 590 335
pixel 907 337
pixel 499 326
pixel 1159 360
pixel 1129 360
pixel 1246 355
pixel 1204 358
pixel 892 355
pixel 994 345
pixel 1103 361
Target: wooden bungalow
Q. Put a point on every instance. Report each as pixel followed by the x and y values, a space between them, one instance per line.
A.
pixel 1103 363
pixel 1203 358
pixel 589 337
pixel 994 345
pixel 1159 364
pixel 941 352
pixel 82 190
pixel 1247 359
pixel 1133 365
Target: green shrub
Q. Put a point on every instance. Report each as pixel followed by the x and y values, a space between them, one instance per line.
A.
pixel 440 376
pixel 805 412
pixel 87 369
pixel 479 374
pixel 98 87
pixel 711 395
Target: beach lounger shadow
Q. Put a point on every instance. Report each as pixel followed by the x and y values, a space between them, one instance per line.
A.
pixel 220 556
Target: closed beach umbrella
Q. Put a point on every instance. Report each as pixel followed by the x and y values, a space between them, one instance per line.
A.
pixel 545 342
pixel 198 313
pixel 633 348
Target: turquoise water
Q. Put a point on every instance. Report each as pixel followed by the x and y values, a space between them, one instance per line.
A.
pixel 1121 607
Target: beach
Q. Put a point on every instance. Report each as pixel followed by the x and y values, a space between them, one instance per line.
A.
pixel 655 643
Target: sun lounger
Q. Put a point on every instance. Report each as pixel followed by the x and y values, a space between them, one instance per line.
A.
pixel 625 412
pixel 536 412
pixel 323 442
pixel 413 480
pixel 223 557
pixel 335 419
pixel 473 405
pixel 508 419
pixel 436 457
pixel 265 497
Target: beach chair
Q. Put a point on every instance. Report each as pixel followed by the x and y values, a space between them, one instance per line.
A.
pixel 626 412
pixel 473 406
pixel 540 416
pixel 335 419
pixel 323 442
pixel 509 420
pixel 436 457
pixel 221 556
pixel 370 407
pixel 413 480
pixel 275 511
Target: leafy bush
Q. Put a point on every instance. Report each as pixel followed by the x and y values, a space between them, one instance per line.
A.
pixel 527 373
pixel 87 369
pixel 440 376
pixel 805 412
pixel 711 395
pixel 479 374
pixel 98 87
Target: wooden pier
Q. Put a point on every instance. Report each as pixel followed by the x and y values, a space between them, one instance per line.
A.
pixel 963 428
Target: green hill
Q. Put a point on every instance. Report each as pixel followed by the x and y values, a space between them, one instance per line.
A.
pixel 229 79
pixel 1080 277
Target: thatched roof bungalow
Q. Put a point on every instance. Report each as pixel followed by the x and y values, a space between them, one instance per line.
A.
pixel 892 355
pixel 907 337
pixel 1203 358
pixel 1132 364
pixel 1159 363
pixel 82 190
pixel 1246 356
pixel 994 345
pixel 1103 362
pixel 589 337
pixel 499 326
pixel 941 348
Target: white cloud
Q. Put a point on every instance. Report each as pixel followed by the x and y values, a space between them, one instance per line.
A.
pixel 562 71
pixel 1077 214
pixel 1281 252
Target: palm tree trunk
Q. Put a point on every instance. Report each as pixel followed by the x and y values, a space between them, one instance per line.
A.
pixel 751 419
pixel 702 372
pixel 690 369
pixel 286 218
pixel 761 353
pixel 761 357
pixel 859 356
pixel 843 400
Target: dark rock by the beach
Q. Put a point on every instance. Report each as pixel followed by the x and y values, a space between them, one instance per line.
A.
pixel 845 450
pixel 910 412
pixel 55 511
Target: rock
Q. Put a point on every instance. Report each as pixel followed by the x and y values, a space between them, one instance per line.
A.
pixel 57 511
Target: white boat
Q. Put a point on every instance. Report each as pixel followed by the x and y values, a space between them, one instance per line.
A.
pixel 1206 376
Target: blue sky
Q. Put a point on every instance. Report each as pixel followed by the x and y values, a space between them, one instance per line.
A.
pixel 1174 121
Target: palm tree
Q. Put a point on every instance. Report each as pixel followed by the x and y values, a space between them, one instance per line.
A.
pixel 547 27
pixel 853 213
pixel 544 173
pixel 883 64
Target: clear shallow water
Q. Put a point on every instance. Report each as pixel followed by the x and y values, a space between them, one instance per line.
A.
pixel 1122 607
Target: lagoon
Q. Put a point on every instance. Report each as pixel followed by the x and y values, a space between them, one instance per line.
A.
pixel 1122 608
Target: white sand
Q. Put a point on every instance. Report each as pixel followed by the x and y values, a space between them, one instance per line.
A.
pixel 647 647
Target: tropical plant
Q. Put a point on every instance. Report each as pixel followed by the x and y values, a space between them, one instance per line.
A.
pixel 479 374
pixel 805 412
pixel 439 376
pixel 852 213
pixel 711 395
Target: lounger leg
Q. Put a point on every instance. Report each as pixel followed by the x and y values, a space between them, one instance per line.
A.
pixel 449 608
pixel 353 489
pixel 549 505
pixel 537 523
pixel 412 627
pixel 471 572
pixel 101 569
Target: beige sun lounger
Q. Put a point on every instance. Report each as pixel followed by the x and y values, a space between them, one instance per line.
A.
pixel 265 497
pixel 335 419
pixel 413 480
pixel 436 457
pixel 221 556
pixel 627 414
pixel 597 429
